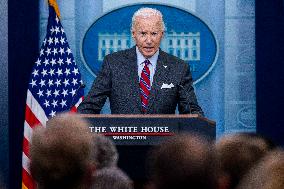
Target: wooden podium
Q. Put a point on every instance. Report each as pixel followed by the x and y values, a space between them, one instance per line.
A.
pixel 135 134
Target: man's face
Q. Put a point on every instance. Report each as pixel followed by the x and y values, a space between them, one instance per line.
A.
pixel 148 33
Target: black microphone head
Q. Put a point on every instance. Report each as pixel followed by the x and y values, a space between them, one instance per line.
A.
pixel 82 85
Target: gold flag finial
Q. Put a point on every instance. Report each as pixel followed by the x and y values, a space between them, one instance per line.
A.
pixel 55 6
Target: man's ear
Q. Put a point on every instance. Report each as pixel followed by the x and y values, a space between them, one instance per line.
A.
pixel 163 34
pixel 133 34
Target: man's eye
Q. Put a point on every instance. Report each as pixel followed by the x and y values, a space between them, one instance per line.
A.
pixel 154 33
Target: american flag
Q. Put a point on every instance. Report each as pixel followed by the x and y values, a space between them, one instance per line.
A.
pixel 55 86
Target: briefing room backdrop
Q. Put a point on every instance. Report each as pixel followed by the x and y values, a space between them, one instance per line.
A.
pixel 223 61
pixel 241 91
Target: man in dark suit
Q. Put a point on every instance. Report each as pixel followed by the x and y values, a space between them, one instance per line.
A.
pixel 143 79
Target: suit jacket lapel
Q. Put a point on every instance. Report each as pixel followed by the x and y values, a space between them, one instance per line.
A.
pixel 133 70
pixel 160 76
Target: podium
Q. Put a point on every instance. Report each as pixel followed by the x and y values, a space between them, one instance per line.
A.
pixel 148 129
pixel 135 134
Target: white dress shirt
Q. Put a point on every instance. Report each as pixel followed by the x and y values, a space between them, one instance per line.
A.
pixel 152 66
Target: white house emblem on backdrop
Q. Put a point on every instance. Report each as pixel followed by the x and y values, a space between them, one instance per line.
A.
pixel 183 45
pixel 186 36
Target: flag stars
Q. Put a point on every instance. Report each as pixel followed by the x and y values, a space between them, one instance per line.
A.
pixel 73 92
pixel 60 61
pixel 63 103
pixel 56 30
pixel 54 78
pixel 44 42
pixel 64 92
pixel 35 73
pixel 74 81
pixel 46 103
pixel 48 93
pixel 67 71
pixel 75 71
pixel 54 103
pixel 50 82
pixel 62 40
pixel 61 51
pixel 58 82
pixel 54 51
pixel 46 62
pixel 52 30
pixel 68 50
pixel 48 51
pixel 56 93
pixel 38 62
pixel 51 72
pixel 56 40
pixel 68 61
pixel 40 93
pixel 33 83
pixel 41 52
pixel 57 19
pixel 44 72
pixel 42 82
pixel 50 40
pixel 66 82
pixel 53 61
pixel 52 113
pixel 59 72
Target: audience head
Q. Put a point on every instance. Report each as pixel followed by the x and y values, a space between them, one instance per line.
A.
pixel 61 153
pixel 267 174
pixel 237 154
pixel 112 178
pixel 2 185
pixel 184 161
pixel 106 152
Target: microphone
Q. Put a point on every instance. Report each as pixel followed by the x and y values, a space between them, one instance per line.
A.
pixel 82 86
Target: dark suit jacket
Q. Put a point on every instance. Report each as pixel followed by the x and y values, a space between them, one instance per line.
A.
pixel 119 80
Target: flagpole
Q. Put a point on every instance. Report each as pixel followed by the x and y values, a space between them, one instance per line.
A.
pixel 55 5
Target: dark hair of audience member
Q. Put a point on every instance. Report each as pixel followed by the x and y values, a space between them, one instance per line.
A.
pixel 61 154
pixel 268 173
pixel 112 178
pixel 2 185
pixel 237 153
pixel 106 152
pixel 183 161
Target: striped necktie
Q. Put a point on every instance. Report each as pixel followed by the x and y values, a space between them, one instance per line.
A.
pixel 145 86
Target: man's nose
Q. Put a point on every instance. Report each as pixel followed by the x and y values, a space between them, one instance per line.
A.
pixel 148 39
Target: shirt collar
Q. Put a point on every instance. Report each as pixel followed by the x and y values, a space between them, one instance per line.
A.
pixel 141 58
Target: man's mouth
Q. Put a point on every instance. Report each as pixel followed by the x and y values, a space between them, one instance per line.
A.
pixel 148 48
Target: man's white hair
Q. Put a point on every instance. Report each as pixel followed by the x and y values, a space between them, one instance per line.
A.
pixel 146 12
